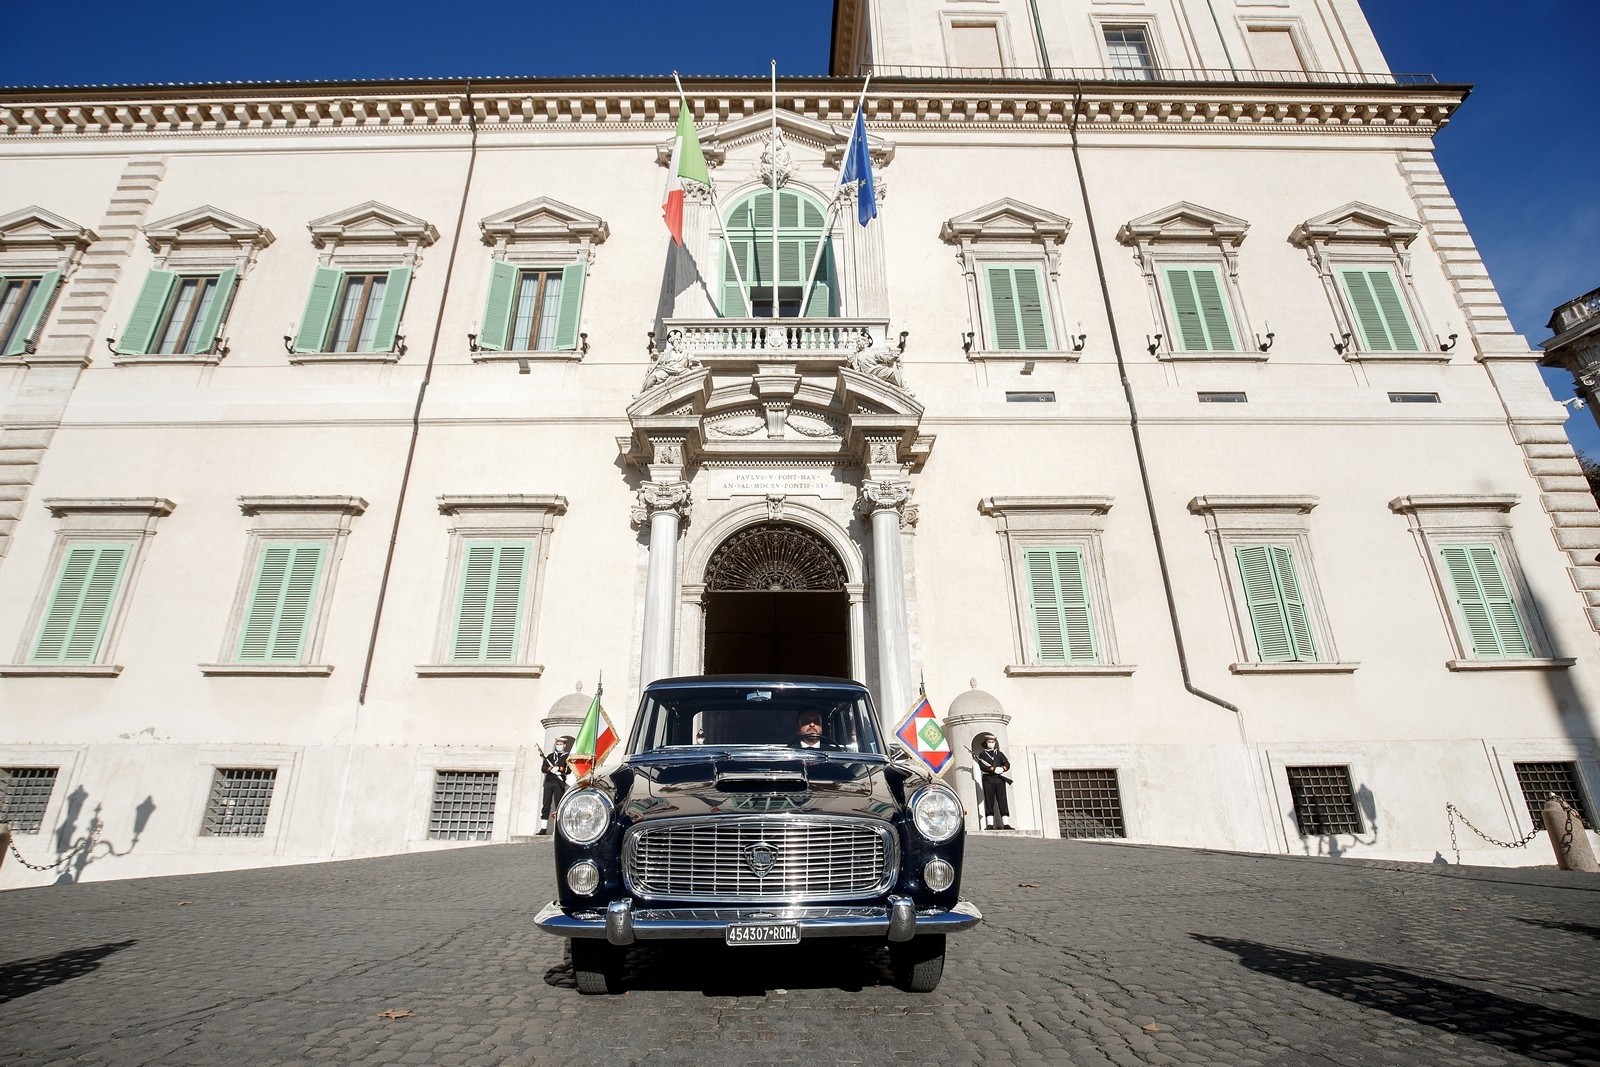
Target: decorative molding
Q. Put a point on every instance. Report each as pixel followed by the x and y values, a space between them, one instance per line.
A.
pixel 544 219
pixel 480 670
pixel 206 228
pixel 150 506
pixel 1305 667
pixel 1006 220
pixel 372 223
pixel 1210 505
pixel 662 496
pixel 503 502
pixel 1184 221
pixel 1535 664
pixel 33 229
pixel 339 505
pixel 60 670
pixel 266 670
pixel 1357 222
pixel 1051 670
pixel 1420 504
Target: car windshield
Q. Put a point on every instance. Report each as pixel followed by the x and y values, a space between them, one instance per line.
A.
pixel 722 716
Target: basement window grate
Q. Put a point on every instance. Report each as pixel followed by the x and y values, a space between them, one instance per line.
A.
pixel 24 795
pixel 463 805
pixel 1089 804
pixel 1413 398
pixel 1035 397
pixel 240 800
pixel 1222 398
pixel 1324 802
pixel 1539 780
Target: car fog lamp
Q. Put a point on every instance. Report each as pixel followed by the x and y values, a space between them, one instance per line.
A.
pixel 583 816
pixel 938 874
pixel 937 813
pixel 583 877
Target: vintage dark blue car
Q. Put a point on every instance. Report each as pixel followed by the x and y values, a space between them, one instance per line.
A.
pixel 759 811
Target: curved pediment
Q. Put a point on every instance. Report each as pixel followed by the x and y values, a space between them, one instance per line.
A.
pixel 1006 220
pixel 544 219
pixel 206 226
pixel 33 227
pixel 372 223
pixel 1357 222
pixel 1184 221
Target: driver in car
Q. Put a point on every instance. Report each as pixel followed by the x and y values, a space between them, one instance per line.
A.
pixel 808 733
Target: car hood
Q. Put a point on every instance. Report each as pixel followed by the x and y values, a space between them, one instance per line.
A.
pixel 831 783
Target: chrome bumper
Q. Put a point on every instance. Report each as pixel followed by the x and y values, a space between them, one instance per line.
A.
pixel 623 924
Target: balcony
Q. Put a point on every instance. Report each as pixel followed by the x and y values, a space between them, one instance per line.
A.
pixel 1151 75
pixel 799 341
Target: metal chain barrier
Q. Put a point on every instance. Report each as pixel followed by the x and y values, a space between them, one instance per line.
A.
pixel 1452 813
pixel 83 846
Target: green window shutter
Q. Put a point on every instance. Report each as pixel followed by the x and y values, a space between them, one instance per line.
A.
pixel 1393 310
pixel 39 304
pixel 1494 625
pixel 278 615
pixel 1380 311
pixel 1294 605
pixel 1058 596
pixel 489 609
pixel 820 306
pixel 318 314
pixel 206 331
pixel 140 332
pixel 1030 308
pixel 1213 308
pixel 567 319
pixel 80 605
pixel 1268 618
pixel 495 332
pixel 734 305
pixel 1186 310
pixel 1005 326
pixel 394 303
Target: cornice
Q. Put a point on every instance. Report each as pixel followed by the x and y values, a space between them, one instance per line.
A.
pixel 52 114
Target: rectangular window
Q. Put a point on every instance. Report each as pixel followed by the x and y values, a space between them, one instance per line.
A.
pixel 1089 804
pixel 188 307
pixel 533 326
pixel 1539 780
pixel 357 320
pixel 1222 398
pixel 1483 599
pixel 239 802
pixel 463 805
pixel 1058 596
pixel 85 593
pixel 1031 398
pixel 1413 398
pixel 1017 320
pixel 24 796
pixel 353 312
pixel 494 576
pixel 282 599
pixel 1128 49
pixel 800 232
pixel 1379 308
pixel 178 314
pixel 532 310
pixel 1277 610
pixel 1199 309
pixel 23 304
pixel 1324 802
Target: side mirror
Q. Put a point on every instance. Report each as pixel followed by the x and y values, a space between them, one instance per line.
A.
pixel 898 754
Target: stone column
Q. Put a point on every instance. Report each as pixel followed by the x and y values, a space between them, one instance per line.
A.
pixel 665 506
pixel 884 502
pixel 697 265
pixel 865 280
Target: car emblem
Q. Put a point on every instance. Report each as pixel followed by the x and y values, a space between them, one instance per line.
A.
pixel 761 857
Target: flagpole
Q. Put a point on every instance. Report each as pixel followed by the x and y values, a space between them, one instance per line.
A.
pixel 722 225
pixel 833 207
pixel 774 143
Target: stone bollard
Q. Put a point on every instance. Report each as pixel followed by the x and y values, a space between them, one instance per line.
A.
pixel 5 842
pixel 1572 850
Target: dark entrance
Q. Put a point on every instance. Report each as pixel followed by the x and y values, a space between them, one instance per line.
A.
pixel 775 604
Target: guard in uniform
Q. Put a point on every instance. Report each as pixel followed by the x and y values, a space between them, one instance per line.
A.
pixel 994 765
pixel 555 771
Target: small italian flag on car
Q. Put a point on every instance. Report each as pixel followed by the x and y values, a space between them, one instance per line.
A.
pixel 596 738
pixel 924 737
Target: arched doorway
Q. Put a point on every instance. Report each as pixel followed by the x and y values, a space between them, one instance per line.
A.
pixel 775 603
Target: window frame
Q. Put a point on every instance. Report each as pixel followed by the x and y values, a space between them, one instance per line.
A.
pixel 67 761
pixel 828 271
pixel 538 235
pixel 274 839
pixel 39 244
pixel 1187 236
pixel 1341 263
pixel 517 780
pixel 949 21
pixel 1009 233
pixel 1298 37
pixel 1278 758
pixel 1146 25
pixel 1504 757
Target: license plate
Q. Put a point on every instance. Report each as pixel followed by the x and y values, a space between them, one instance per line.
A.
pixel 763 934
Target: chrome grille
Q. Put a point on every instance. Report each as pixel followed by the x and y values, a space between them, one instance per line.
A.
pixel 710 858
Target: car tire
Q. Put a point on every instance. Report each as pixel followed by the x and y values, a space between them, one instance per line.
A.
pixel 918 964
pixel 596 966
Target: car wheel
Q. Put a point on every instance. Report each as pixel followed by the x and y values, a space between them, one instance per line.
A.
pixel 597 966
pixel 918 964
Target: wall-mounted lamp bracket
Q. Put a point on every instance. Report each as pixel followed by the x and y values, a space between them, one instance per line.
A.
pixel 1079 341
pixel 472 343
pixel 1342 344
pixel 650 345
pixel 966 343
pixel 583 343
pixel 1265 346
pixel 1445 346
pixel 901 347
pixel 1152 344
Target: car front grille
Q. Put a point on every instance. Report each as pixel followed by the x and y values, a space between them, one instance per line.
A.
pixel 761 858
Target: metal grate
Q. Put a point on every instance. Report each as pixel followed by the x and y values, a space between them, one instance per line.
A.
pixel 1089 804
pixel 1324 803
pixel 240 800
pixel 463 805
pixel 772 557
pixel 1539 780
pixel 732 857
pixel 24 795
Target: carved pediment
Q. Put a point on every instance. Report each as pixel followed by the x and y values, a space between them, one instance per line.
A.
pixel 544 219
pixel 206 226
pixel 828 139
pixel 372 223
pixel 35 228
pixel 1006 220
pixel 1184 221
pixel 1357 222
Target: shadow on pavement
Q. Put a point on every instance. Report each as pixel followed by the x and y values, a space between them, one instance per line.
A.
pixel 1540 1033
pixel 22 977
pixel 720 971
pixel 1571 928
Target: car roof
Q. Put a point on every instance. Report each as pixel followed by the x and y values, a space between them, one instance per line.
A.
pixel 716 681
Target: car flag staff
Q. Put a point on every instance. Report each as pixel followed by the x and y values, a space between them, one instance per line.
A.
pixel 689 164
pixel 855 167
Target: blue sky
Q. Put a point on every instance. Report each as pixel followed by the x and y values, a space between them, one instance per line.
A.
pixel 1521 157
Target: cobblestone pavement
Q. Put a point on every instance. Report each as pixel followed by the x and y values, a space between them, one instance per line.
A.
pixel 1091 954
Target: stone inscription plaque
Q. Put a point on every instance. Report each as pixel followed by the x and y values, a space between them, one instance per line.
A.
pixel 762 481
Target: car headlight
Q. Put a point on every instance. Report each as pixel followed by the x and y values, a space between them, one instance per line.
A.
pixel 584 816
pixel 937 813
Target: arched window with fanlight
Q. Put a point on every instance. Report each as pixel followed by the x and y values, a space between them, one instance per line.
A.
pixel 800 228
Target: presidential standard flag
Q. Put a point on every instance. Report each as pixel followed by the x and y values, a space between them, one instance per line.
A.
pixel 688 165
pixel 858 168
pixel 923 737
pixel 596 738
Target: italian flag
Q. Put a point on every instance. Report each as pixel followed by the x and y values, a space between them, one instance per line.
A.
pixel 596 738
pixel 688 165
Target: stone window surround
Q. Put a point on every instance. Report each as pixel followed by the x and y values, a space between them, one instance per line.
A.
pixel 1281 520
pixel 288 518
pixel 511 763
pixel 1185 234
pixel 212 758
pixel 67 760
pixel 541 234
pixel 1024 522
pixel 949 20
pixel 1278 758
pixel 1044 760
pixel 1133 20
pixel 1297 31
pixel 1473 518
pixel 1505 755
pixel 204 240
pixel 503 517
pixel 1008 231
pixel 34 241
pixel 86 520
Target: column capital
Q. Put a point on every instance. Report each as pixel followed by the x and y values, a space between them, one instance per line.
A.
pixel 886 495
pixel 655 497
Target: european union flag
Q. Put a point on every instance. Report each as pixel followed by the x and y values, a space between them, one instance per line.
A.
pixel 858 168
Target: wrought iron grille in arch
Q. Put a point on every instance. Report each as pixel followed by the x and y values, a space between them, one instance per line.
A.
pixel 773 557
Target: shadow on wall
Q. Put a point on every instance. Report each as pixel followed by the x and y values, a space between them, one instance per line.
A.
pixel 76 850
pixel 1336 845
pixel 1540 1033
pixel 22 977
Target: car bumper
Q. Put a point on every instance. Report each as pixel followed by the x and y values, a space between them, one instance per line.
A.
pixel 621 923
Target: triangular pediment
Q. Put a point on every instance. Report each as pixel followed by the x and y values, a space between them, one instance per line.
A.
pixel 372 223
pixel 206 225
pixel 825 138
pixel 1356 221
pixel 34 227
pixel 544 219
pixel 1184 221
pixel 1006 220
